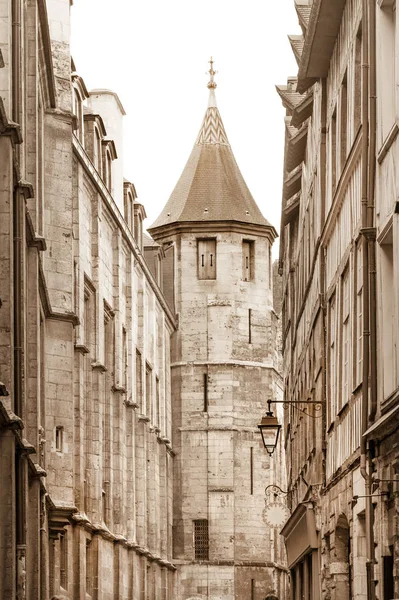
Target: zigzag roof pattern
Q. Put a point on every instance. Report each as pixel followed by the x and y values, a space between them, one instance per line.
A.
pixel 212 130
pixel 211 187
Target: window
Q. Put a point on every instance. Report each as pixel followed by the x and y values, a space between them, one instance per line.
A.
pixel 332 371
pixel 109 357
pixel 386 71
pixel 345 342
pixel 97 150
pixel 148 391
pixel 201 539
pixel 138 231
pixel 205 392
pixel 89 568
pixel 250 326
pixel 251 470
pixel 157 419
pixel 358 81
pixel 63 562
pixel 59 438
pixel 389 324
pixel 248 260
pixel 139 380
pixel 124 358
pixel 359 315
pixel 206 258
pixel 78 112
pixel 107 170
pixel 333 138
pixel 344 121
pixel 129 209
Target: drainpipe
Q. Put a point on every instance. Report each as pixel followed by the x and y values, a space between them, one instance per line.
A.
pixel 365 213
pixel 371 216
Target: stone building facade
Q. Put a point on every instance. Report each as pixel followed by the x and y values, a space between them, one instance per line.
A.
pixel 224 369
pixel 86 478
pixel 337 259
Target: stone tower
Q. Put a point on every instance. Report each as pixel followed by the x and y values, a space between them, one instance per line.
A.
pixel 223 372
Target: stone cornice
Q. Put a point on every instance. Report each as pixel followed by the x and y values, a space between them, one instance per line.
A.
pixel 164 232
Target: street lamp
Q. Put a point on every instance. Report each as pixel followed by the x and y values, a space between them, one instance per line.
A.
pixel 270 430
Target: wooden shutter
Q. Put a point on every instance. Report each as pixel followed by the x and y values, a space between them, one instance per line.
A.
pixel 206 259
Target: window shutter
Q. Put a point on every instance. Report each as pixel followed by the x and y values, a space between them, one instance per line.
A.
pixel 206 259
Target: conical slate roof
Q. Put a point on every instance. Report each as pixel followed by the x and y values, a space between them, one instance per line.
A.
pixel 211 187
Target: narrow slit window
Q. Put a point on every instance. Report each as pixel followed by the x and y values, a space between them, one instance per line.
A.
pixel 59 439
pixel 139 380
pixel 251 469
pixel 148 392
pixel 201 539
pixel 89 568
pixel 250 326
pixel 206 250
pixel 248 260
pixel 63 562
pixel 205 392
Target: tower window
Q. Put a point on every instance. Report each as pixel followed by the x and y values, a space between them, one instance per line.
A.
pixel 59 439
pixel 206 252
pixel 248 260
pixel 63 562
pixel 201 539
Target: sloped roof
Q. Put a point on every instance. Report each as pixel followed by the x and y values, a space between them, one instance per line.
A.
pixel 297 42
pixel 303 11
pixel 148 241
pixel 288 94
pixel 211 187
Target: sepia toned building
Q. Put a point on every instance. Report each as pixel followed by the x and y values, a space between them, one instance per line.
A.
pixel 224 368
pixel 340 286
pixel 86 478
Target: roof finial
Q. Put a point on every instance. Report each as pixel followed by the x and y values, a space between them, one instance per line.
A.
pixel 212 84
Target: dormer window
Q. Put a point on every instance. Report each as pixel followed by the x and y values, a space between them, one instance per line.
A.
pixel 107 172
pixel 78 112
pixel 97 159
pixel 94 132
pixel 139 216
pixel 108 154
pixel 129 196
pixel 138 231
pixel 129 209
pixel 79 95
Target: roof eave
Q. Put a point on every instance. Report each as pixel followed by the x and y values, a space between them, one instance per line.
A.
pixel 166 230
pixel 324 24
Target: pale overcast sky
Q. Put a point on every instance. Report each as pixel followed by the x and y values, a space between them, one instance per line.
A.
pixel 154 53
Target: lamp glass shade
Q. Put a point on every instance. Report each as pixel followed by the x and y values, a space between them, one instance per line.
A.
pixel 270 430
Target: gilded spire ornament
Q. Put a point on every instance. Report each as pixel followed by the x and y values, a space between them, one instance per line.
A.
pixel 212 85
